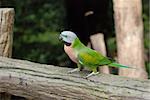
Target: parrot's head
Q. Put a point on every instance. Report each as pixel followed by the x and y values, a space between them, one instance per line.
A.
pixel 68 37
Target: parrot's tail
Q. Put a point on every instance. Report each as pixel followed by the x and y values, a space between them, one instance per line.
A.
pixel 119 65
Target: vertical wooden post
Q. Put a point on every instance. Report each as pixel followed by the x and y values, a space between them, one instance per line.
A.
pixel 6 37
pixel 98 44
pixel 129 31
pixel 6 31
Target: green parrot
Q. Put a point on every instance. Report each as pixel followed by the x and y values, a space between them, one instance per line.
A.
pixel 84 56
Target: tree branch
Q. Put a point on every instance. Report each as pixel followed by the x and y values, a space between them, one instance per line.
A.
pixel 46 82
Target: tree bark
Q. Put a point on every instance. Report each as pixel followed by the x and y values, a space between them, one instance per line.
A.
pixel 129 31
pixel 6 38
pixel 46 82
pixel 98 44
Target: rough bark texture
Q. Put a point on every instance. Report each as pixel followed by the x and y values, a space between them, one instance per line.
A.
pixel 98 44
pixel 129 29
pixel 6 31
pixel 46 82
pixel 6 37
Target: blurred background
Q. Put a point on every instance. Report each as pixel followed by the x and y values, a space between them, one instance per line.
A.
pixel 38 24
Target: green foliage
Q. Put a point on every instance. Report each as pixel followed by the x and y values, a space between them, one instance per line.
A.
pixel 36 31
pixel 112 46
pixel 148 69
pixel 146 24
pixel 146 33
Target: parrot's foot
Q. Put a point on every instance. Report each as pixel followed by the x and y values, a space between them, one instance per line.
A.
pixel 91 74
pixel 74 70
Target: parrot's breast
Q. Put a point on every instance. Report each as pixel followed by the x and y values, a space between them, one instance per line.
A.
pixel 70 52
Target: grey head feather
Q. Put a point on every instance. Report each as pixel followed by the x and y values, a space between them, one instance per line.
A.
pixel 68 36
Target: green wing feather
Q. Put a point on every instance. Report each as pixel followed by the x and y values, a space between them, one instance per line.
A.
pixel 89 57
pixel 92 58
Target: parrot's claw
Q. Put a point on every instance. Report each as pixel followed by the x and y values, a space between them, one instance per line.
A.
pixel 91 74
pixel 74 70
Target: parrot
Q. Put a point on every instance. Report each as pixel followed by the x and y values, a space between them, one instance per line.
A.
pixel 84 56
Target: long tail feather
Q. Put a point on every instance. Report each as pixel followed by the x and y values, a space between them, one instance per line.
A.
pixel 119 65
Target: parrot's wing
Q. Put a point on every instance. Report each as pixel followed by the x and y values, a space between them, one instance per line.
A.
pixel 92 58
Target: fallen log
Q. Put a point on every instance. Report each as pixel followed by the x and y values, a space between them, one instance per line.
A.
pixel 47 82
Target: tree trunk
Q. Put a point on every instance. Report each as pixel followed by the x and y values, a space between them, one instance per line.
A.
pixel 6 38
pixel 129 31
pixel 46 82
pixel 98 44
